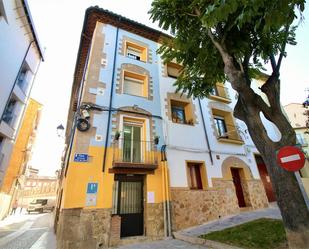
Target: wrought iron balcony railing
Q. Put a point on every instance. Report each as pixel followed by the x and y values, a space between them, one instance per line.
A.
pixel 134 154
pixel 230 132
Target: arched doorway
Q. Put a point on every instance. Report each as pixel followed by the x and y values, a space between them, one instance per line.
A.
pixel 238 171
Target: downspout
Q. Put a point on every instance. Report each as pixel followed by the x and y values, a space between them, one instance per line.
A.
pixel 205 132
pixel 22 63
pixel 110 100
pixel 169 232
pixel 164 200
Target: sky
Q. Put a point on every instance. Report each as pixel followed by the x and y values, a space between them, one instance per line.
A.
pixel 59 23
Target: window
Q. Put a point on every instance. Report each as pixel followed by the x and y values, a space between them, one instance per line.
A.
pixel 173 70
pixel 196 175
pixel 220 93
pixel 9 116
pixel 21 80
pixel 132 143
pixel 181 112
pixel 1 141
pixel 134 84
pixel 225 126
pixel 221 126
pixel 214 91
pixel 178 114
pixel 136 52
pixel 300 139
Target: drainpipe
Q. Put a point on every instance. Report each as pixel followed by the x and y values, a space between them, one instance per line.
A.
pixel 164 198
pixel 110 100
pixel 205 132
pixel 169 232
pixel 11 92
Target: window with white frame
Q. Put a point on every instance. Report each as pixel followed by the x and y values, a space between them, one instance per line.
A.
pixel 21 79
pixel 9 116
pixel 221 126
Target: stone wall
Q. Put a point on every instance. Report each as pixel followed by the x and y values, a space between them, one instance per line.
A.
pixel 154 221
pixel 195 207
pixel 256 194
pixel 80 228
pixel 83 228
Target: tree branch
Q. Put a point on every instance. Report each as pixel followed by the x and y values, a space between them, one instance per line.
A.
pixel 273 62
pixel 286 31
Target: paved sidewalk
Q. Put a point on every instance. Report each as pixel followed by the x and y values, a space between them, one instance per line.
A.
pixel 163 244
pixel 271 212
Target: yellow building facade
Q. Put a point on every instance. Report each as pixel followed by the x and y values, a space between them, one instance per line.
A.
pixel 20 156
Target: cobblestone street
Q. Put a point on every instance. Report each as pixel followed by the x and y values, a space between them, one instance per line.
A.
pixel 23 231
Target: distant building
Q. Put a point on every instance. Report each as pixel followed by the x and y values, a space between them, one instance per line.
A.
pixel 295 113
pixel 21 54
pixel 151 160
pixel 37 187
pixel 14 178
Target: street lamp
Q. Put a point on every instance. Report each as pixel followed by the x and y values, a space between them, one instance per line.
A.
pixel 60 131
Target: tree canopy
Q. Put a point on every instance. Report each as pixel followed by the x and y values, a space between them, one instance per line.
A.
pixel 253 32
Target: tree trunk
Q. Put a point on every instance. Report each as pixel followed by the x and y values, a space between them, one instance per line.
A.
pixel 290 200
pixel 289 197
pixel 294 211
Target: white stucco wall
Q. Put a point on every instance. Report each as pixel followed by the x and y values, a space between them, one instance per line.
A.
pixel 15 40
pixel 188 143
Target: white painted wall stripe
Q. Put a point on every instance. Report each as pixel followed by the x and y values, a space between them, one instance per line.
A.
pixel 291 158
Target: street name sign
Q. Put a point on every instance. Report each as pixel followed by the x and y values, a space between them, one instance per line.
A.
pixel 81 157
pixel 291 158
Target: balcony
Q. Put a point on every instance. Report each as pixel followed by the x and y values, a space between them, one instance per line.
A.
pixel 220 93
pixel 131 156
pixel 230 135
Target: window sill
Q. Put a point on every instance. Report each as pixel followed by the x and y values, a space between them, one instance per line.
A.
pixel 135 59
pixel 230 140
pixel 219 98
pixel 183 123
pixel 138 96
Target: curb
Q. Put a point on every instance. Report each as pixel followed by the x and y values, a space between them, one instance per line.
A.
pixel 199 241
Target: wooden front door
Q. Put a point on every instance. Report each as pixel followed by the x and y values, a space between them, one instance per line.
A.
pixel 237 183
pixel 130 206
pixel 266 182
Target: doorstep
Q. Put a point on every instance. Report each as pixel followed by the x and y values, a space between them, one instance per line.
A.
pixel 136 239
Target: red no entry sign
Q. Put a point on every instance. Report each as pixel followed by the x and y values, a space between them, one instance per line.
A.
pixel 291 158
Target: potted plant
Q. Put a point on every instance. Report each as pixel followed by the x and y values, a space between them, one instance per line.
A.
pixel 117 135
pixel 156 139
